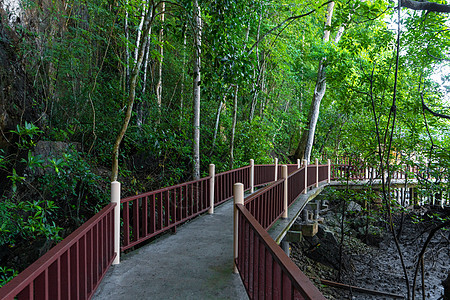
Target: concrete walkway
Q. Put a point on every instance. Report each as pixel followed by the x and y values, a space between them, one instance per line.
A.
pixel 194 263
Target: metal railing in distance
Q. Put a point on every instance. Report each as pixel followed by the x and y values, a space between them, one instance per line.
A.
pixel 361 171
pixel 296 184
pixel 152 213
pixel 264 174
pixel 267 205
pixel 351 172
pixel 223 183
pixel 73 268
pixel 266 271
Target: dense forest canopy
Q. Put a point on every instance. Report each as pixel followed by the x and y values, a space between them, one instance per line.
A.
pixel 150 93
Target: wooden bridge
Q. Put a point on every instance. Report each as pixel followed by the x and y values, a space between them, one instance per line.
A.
pixel 198 261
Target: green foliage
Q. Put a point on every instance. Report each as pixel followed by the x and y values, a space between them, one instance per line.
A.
pixel 3 159
pixel 15 179
pixel 6 274
pixel 27 220
pixel 70 182
pixel 26 135
pixel 45 194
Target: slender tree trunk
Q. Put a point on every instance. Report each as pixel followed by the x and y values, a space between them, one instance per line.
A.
pixel 141 105
pixel 256 84
pixel 147 52
pixel 196 88
pixel 307 138
pixel 139 34
pixel 160 64
pixel 131 96
pixel 127 48
pixel 233 127
pixel 183 78
pixel 216 127
pixel 219 110
pixel 140 119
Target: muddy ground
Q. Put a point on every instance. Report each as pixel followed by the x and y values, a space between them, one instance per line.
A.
pixel 378 266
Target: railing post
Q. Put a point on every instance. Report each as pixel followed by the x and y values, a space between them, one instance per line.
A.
pixel 284 174
pixel 212 173
pixel 317 172
pixel 115 198
pixel 329 170
pixel 276 169
pixel 305 164
pixel 298 163
pixel 252 175
pixel 238 191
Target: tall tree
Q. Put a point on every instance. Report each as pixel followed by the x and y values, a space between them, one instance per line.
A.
pixel 159 86
pixel 196 87
pixel 132 91
pixel 306 141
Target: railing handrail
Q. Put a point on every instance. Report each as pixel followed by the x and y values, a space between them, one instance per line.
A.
pixel 256 194
pixel 21 281
pixel 233 170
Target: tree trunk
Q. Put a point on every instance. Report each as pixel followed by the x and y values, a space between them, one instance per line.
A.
pixel 141 105
pixel 160 64
pixel 219 110
pixel 233 127
pixel 182 78
pixel 307 138
pixel 256 84
pixel 132 95
pixel 139 34
pixel 127 48
pixel 216 127
pixel 196 88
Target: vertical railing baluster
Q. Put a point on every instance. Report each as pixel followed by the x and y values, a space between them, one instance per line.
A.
pixel 160 210
pixel 89 262
pixel 135 207
pixel 126 223
pixel 82 268
pixel 166 208
pixel 144 216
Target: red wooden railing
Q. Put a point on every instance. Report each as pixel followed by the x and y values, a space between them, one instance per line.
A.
pixel 264 174
pixel 266 271
pixel 72 269
pixel 323 173
pixel 223 183
pixel 291 168
pixel 296 185
pixel 149 214
pixel 267 205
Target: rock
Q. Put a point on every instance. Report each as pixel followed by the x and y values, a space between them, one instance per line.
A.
pixel 323 248
pixel 52 149
pixel 353 206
